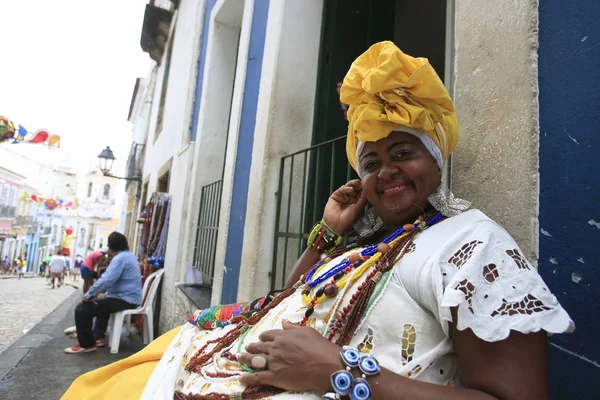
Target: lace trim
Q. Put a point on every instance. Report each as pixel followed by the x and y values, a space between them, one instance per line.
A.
pixel 495 288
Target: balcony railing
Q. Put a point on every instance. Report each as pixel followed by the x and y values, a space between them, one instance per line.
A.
pixel 134 162
pixel 306 180
pixel 207 229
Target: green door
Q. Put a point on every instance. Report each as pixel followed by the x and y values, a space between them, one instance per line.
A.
pixel 349 28
pixel 308 177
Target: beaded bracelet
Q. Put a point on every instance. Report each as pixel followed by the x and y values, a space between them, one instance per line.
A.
pixel 343 381
pixel 323 239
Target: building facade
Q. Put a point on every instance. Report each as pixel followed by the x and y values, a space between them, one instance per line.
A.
pixel 29 227
pixel 11 242
pixel 240 122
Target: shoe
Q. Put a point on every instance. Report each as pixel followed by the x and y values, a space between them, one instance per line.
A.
pixel 101 342
pixel 71 329
pixel 78 349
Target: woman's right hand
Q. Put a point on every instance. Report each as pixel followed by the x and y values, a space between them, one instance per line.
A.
pixel 345 206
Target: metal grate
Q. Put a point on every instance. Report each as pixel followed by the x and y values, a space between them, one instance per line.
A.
pixel 306 180
pixel 207 229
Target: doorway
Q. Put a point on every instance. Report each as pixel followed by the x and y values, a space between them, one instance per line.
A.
pixel 349 28
pixel 220 123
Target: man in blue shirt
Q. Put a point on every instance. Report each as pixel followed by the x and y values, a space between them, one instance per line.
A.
pixel 122 285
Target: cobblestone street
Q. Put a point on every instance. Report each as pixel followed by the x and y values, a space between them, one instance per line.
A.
pixel 24 302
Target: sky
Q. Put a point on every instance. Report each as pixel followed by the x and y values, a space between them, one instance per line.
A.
pixel 70 66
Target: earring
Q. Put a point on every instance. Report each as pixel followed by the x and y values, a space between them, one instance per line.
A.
pixel 444 201
pixel 369 224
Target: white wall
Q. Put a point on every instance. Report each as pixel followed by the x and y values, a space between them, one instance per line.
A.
pixel 140 123
pixel 162 146
pixel 173 147
pixel 220 115
pixel 495 164
pixel 139 108
pixel 284 125
pixel 172 140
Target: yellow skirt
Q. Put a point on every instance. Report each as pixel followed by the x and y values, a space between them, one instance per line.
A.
pixel 124 379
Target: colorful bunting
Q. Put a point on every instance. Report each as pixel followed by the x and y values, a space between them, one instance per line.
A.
pixel 50 204
pixel 18 134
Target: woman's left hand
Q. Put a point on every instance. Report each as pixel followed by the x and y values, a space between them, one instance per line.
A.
pixel 298 359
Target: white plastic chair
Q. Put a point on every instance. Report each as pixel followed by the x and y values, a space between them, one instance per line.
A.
pixel 146 309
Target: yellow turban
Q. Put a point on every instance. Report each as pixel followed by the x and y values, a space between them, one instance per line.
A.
pixel 386 88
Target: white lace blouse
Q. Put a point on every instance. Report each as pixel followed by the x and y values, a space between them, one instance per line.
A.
pixel 467 261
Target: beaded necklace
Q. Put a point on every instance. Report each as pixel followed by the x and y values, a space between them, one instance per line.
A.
pixel 384 256
pixel 367 252
pixel 341 273
pixel 349 318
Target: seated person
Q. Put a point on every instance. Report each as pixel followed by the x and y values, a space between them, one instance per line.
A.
pixel 122 283
pixel 442 297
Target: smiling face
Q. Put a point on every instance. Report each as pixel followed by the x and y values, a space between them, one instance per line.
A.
pixel 397 174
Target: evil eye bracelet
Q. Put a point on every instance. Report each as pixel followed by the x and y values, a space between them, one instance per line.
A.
pixel 343 381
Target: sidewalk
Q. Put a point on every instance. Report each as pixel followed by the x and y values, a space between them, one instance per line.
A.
pixel 35 367
pixel 13 276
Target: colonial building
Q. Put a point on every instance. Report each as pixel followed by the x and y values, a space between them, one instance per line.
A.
pixel 86 202
pixel 239 120
pixel 11 243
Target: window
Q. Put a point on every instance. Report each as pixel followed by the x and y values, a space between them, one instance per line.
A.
pixel 5 195
pixel 55 234
pixel 90 188
pixel 144 197
pixel 69 191
pixel 81 243
pixel 106 192
pixel 163 89
pixel 13 197
pixel 163 183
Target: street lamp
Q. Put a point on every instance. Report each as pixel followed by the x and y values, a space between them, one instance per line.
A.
pixel 106 160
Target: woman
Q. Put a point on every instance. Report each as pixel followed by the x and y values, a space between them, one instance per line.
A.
pixel 440 296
